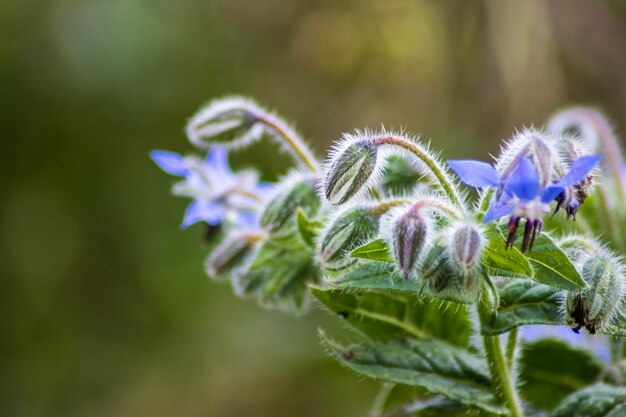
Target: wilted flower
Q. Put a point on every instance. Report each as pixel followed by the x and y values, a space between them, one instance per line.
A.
pixel 593 307
pixel 520 194
pixel 218 194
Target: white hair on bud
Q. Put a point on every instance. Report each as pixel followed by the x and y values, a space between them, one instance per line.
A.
pixel 220 106
pixel 262 121
pixel 459 263
pixel 523 144
pixel 337 150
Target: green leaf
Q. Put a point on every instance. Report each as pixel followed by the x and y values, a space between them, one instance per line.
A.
pixel 502 262
pixel 393 396
pixel 552 266
pixel 308 229
pixel 384 315
pixel 445 407
pixel 280 273
pixel 552 369
pixel 383 276
pixel 373 276
pixel 599 400
pixel 525 302
pixel 376 250
pixel 430 364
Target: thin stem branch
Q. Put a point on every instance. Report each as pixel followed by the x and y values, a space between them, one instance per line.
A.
pixel 421 154
pixel 299 149
pixel 498 366
pixel 511 345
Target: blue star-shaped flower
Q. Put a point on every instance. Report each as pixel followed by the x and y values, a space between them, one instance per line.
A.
pixel 218 194
pixel 520 194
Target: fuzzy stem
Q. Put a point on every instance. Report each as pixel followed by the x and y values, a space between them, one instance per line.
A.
pixel 385 206
pixel 483 203
pixel 302 152
pixel 498 366
pixel 511 345
pixel 608 219
pixel 421 154
pixel 617 350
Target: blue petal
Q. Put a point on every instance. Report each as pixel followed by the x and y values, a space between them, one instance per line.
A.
pixel 217 161
pixel 475 173
pixel 579 169
pixel 202 210
pixel 170 162
pixel 498 209
pixel 551 193
pixel 524 180
pixel 248 220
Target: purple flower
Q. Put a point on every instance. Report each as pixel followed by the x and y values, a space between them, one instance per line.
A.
pixel 218 194
pixel 520 194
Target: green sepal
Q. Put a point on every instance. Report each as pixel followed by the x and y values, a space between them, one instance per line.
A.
pixel 309 229
pixel 376 250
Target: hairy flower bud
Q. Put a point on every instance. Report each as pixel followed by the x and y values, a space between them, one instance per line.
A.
pixel 228 122
pixel 230 254
pixel 592 308
pixel 409 238
pixel 350 168
pixel 465 246
pixel 297 191
pixel 351 228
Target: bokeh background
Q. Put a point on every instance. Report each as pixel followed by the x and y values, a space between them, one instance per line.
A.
pixel 104 306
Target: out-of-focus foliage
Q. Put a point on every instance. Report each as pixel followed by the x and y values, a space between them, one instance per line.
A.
pixel 106 308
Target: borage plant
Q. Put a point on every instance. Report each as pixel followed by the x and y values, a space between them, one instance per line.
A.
pixel 448 290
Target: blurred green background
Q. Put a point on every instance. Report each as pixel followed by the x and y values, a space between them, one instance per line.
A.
pixel 105 308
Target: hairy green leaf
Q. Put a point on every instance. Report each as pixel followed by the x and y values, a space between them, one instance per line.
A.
pixel 524 302
pixel 445 407
pixel 280 273
pixel 433 365
pixel 599 400
pixel 309 229
pixel 384 315
pixel 552 369
pixel 552 266
pixel 394 396
pixel 502 262
pixel 376 250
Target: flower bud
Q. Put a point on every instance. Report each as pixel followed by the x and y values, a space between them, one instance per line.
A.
pixel 228 122
pixel 465 247
pixel 592 308
pixel 296 192
pixel 409 237
pixel 351 167
pixel 230 254
pixel 351 228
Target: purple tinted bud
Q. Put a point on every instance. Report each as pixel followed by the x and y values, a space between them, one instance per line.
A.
pixel 409 236
pixel 465 247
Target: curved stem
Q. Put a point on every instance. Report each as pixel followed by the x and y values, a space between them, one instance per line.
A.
pixel 291 140
pixel 385 206
pixel 498 366
pixel 432 164
pixel 511 345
